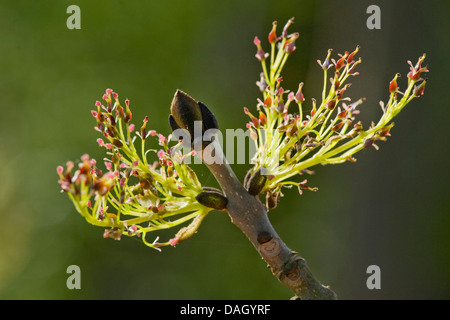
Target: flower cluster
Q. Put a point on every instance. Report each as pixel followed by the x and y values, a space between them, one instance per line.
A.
pixel 289 142
pixel 134 197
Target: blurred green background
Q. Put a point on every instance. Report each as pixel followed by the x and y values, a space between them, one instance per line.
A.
pixel 391 208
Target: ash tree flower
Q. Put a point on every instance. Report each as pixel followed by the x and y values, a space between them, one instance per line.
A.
pixel 290 140
pixel 133 196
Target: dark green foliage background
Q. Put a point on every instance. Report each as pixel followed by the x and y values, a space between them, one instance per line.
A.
pixel 391 208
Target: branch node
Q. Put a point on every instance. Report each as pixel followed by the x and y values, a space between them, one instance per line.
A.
pixel 264 237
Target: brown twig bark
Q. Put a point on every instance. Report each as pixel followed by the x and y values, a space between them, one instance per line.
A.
pixel 250 216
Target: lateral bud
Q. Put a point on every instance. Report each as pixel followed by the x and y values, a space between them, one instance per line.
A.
pixel 212 199
pixel 256 183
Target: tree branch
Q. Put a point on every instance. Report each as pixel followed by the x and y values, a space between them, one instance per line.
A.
pixel 244 208
pixel 250 216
